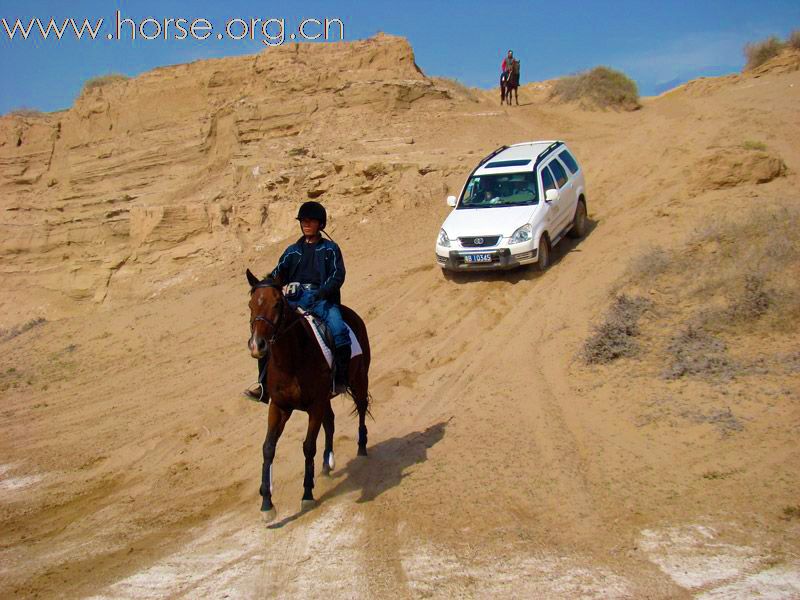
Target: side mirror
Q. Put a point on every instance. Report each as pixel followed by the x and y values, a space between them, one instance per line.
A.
pixel 451 200
pixel 551 195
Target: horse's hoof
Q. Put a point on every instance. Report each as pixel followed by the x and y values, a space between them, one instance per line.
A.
pixel 307 505
pixel 268 516
pixel 362 451
pixel 326 471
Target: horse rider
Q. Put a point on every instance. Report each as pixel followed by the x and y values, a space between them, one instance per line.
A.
pixel 314 270
pixel 505 67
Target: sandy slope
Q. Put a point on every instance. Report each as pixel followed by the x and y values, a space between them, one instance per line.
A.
pixel 499 463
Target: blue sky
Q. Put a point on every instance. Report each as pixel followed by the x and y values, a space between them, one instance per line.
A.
pixel 656 43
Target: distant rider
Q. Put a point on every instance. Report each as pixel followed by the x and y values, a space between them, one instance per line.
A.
pixel 313 268
pixel 505 67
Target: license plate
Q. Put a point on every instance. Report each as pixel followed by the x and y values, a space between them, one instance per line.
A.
pixel 478 258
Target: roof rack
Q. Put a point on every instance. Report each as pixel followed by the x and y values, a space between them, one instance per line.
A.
pixel 548 150
pixel 490 156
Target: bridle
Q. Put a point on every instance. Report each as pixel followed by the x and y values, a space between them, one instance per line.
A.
pixel 275 325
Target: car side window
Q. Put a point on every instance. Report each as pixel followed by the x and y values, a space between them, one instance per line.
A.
pixel 547 180
pixel 559 172
pixel 569 160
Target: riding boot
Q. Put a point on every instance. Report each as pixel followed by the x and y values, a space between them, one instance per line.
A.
pixel 259 392
pixel 341 369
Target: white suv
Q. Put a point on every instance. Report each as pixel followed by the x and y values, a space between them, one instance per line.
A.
pixel 516 205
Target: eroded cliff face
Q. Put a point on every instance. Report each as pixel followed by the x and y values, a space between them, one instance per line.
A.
pixel 145 180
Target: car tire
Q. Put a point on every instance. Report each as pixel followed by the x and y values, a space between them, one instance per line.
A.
pixel 543 254
pixel 578 229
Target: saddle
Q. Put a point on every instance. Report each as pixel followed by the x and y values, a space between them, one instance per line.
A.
pixel 322 334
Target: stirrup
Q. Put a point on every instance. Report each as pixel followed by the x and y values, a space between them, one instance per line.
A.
pixel 259 396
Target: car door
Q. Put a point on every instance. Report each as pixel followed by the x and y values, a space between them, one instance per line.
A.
pixel 566 197
pixel 548 182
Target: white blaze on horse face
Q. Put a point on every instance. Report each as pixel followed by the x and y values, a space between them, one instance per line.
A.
pixel 260 300
pixel 252 343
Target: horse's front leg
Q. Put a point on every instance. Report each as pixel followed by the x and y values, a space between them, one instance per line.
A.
pixel 275 424
pixel 310 451
pixel 328 462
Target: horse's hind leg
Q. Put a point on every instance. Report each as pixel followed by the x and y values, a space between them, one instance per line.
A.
pixel 315 418
pixel 328 462
pixel 275 424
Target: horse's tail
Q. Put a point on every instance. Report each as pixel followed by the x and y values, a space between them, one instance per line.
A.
pixel 361 397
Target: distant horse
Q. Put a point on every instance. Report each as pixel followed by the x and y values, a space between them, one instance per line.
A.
pixel 298 378
pixel 509 83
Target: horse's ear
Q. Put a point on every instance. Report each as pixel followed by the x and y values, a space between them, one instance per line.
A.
pixel 278 280
pixel 252 279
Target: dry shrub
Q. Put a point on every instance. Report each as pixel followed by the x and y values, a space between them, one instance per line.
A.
pixel 600 87
pixel 614 338
pixel 729 285
pixel 456 88
pixel 694 351
pixel 753 302
pixel 96 82
pixel 794 39
pixel 757 53
pixel 649 265
pixel 756 267
pixel 749 266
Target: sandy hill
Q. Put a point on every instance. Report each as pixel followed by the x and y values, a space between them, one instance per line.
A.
pixel 623 425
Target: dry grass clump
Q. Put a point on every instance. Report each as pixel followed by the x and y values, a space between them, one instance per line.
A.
pixel 96 82
pixel 614 338
pixel 456 88
pixel 11 333
pixel 754 145
pixel 600 87
pixel 794 39
pixel 25 112
pixel 757 53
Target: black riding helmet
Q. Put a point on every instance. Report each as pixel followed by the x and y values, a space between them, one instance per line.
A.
pixel 313 210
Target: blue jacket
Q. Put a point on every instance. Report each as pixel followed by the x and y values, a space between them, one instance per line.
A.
pixel 329 262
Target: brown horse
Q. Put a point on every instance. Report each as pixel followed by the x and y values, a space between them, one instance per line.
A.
pixel 510 83
pixel 298 378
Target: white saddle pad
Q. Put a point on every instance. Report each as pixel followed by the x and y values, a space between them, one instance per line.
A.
pixel 355 347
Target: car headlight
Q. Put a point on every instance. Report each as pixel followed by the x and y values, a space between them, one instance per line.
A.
pixel 443 239
pixel 523 234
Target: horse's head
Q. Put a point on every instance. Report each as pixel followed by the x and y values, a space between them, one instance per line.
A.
pixel 267 312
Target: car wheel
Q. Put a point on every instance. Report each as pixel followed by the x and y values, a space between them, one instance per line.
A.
pixel 578 229
pixel 543 254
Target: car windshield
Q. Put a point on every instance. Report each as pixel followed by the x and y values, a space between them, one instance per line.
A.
pixel 492 191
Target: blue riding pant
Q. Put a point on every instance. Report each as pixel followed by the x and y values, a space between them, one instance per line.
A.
pixel 328 312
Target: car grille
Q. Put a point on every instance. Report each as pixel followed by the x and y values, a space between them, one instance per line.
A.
pixel 479 241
